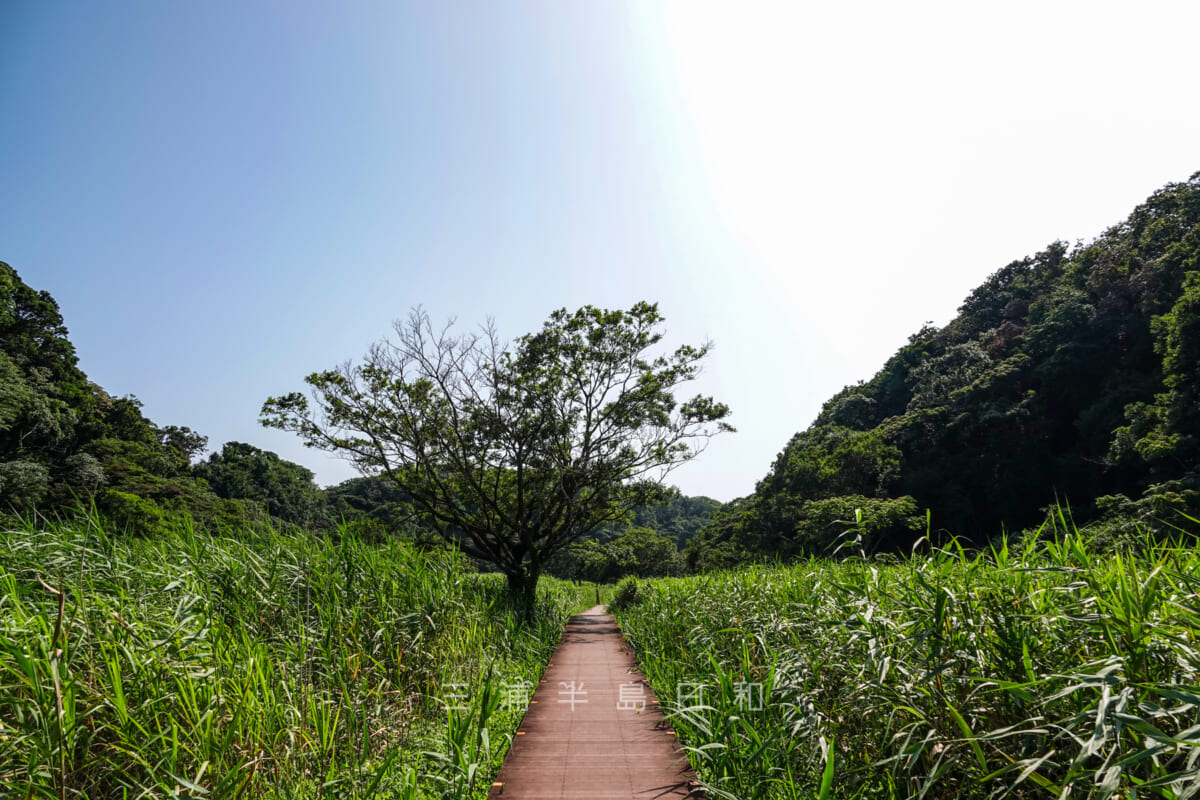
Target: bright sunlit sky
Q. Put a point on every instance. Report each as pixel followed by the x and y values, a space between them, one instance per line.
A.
pixel 226 196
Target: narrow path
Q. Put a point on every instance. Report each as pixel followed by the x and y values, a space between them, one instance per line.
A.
pixel 593 729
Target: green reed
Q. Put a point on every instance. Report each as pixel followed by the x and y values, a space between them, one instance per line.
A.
pixel 255 665
pixel 1044 670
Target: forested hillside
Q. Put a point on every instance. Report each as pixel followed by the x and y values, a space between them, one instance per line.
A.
pixel 65 443
pixel 1070 375
pixel 64 440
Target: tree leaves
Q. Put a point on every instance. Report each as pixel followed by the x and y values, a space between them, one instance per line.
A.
pixel 514 451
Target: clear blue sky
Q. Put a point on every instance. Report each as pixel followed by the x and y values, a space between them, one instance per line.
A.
pixel 226 196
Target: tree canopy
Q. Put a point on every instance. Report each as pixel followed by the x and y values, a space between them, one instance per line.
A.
pixel 244 472
pixel 514 451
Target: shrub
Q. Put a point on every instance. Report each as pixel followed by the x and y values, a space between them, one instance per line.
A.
pixel 627 595
pixel 130 513
pixel 22 484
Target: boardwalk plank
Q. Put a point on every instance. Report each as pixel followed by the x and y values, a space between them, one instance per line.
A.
pixel 578 742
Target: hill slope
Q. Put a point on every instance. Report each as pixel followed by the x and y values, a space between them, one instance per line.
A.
pixel 1071 374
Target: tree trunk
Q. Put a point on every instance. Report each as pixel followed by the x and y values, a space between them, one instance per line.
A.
pixel 522 588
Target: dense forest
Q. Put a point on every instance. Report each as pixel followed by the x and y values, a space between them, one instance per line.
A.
pixel 1071 376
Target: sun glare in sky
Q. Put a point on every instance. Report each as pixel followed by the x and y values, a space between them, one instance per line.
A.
pixel 225 197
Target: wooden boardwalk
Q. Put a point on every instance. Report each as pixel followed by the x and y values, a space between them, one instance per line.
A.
pixel 594 729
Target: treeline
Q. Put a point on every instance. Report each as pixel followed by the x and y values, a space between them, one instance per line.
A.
pixel 650 545
pixel 66 444
pixel 1070 376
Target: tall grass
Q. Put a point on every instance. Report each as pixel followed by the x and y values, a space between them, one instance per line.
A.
pixel 265 665
pixel 1044 670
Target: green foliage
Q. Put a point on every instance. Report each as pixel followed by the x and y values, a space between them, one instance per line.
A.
pixel 734 535
pixel 43 395
pixel 643 552
pixel 831 460
pixel 266 665
pixel 244 472
pixel 627 595
pixel 128 513
pixel 1048 669
pixel 34 338
pixel 1074 373
pixel 133 450
pixel 514 453
pixel 62 438
pixel 787 527
pixel 371 499
pixel 23 484
pixel 680 517
pixel 1168 427
pixel 868 523
pixel 646 544
pixel 646 553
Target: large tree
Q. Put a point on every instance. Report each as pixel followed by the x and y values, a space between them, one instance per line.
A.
pixel 514 451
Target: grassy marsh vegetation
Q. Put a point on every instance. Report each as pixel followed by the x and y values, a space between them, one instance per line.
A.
pixel 256 665
pixel 1048 669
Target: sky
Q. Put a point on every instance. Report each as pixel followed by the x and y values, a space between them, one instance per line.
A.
pixel 224 197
